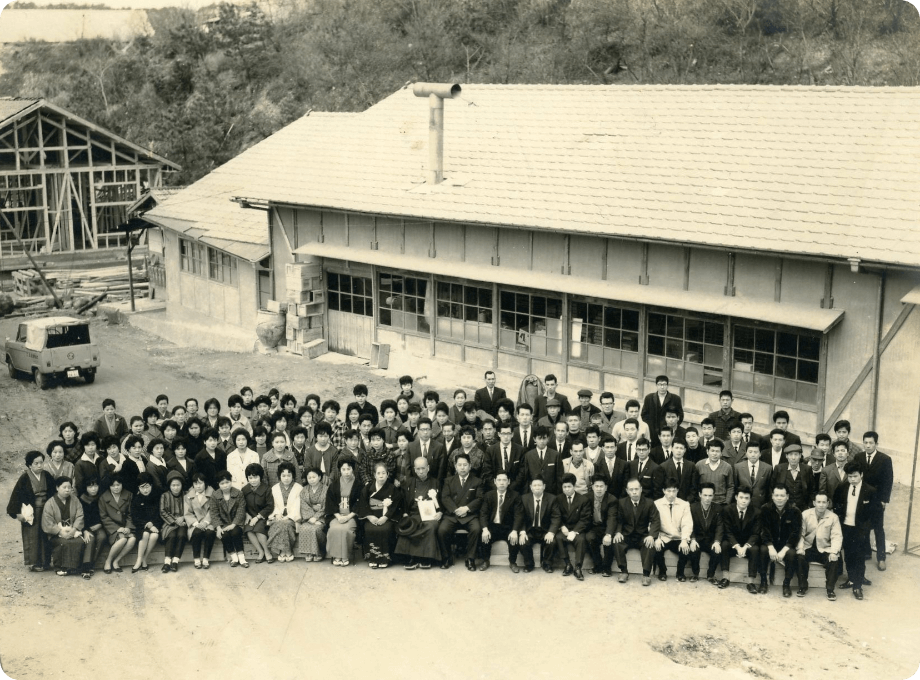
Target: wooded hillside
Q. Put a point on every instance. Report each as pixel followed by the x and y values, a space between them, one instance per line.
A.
pixel 200 91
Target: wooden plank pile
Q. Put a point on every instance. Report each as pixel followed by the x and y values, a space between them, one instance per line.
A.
pixel 76 286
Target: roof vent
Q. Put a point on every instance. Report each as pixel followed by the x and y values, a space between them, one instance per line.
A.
pixel 436 93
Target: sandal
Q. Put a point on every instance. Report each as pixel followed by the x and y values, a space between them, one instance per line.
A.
pixel 62 572
pixel 345 563
pixel 87 575
pixel 336 562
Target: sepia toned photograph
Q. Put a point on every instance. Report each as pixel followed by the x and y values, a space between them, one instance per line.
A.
pixel 460 339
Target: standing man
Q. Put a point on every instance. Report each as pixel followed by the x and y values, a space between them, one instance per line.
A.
pixel 487 398
pixel 543 462
pixel 755 474
pixel 879 473
pixel 735 451
pixel 856 504
pixel 833 475
pixel 707 534
pixel 523 433
pixel 821 541
pixel 430 449
pixel 747 421
pixel 585 408
pixel 842 429
pixel 498 514
pixel 638 526
pixel 575 515
pixel 626 449
pixel 725 415
pixel 632 411
pixel 683 471
pixel 550 382
pixel 774 454
pixel 654 406
pixel 462 498
pixel 646 471
pixel 676 530
pixel 613 469
pixel 561 441
pixel 608 415
pixel 798 479
pixel 714 469
pixel 506 456
pixel 537 525
pixel 781 422
pixel 780 529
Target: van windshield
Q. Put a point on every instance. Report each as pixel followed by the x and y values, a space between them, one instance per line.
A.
pixel 67 336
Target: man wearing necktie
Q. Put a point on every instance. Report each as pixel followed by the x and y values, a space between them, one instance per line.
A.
pixel 833 475
pixel 575 512
pixel 538 525
pixel 498 514
pixel 506 455
pixel 741 531
pixel 755 473
pixel 542 461
pixel 431 449
pixel 487 398
pixel 462 498
pixel 638 526
pixel 523 434
pixel 856 506
pixel 602 526
pixel 879 473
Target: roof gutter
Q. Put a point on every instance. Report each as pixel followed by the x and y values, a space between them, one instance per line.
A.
pixel 436 93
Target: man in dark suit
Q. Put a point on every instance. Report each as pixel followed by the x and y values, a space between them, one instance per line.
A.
pixel 626 449
pixel 541 461
pixel 523 433
pixel 538 524
pixel 613 469
pixel 735 451
pixel 662 452
pixel 707 533
pixel 644 469
pixel 817 460
pixel 781 422
pixel 575 514
pixel 879 474
pixel 780 529
pixel 560 441
pixel 683 471
pixel 754 473
pixel 498 514
pixel 798 479
pixel 550 382
pixel 725 415
pixel 638 525
pixel 603 513
pixel 462 498
pixel 506 456
pixel 833 475
pixel 741 531
pixel 748 435
pixel 487 398
pixel 856 504
pixel 430 449
pixel 774 452
pixel 654 405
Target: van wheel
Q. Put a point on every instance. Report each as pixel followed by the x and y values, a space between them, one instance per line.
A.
pixel 41 380
pixel 14 374
pixel 90 378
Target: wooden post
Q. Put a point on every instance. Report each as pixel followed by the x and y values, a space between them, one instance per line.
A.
pixel 913 480
pixel 877 351
pixel 130 269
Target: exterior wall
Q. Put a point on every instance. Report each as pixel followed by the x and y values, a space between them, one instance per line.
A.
pixel 844 351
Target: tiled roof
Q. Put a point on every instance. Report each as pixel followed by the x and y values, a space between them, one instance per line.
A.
pixel 205 210
pixel 828 172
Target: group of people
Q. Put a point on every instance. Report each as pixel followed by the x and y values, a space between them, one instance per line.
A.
pixel 419 481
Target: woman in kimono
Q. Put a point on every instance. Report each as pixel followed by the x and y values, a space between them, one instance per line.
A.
pixel 419 540
pixel 341 502
pixel 115 512
pixel 62 521
pixel 145 512
pixel 282 523
pixel 172 512
pixel 311 530
pixel 198 520
pixel 56 465
pixel 32 490
pixel 259 506
pixel 380 503
pixel 228 514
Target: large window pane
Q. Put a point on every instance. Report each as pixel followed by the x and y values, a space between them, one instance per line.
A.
pixel 790 358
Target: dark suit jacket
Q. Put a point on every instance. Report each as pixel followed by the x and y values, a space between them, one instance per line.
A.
pixel 766 456
pixel 880 474
pixel 437 457
pixel 866 506
pixel 455 495
pixel 511 509
pixel 760 487
pixel 653 412
pixel 650 479
pixel 102 429
pixel 801 490
pixel 741 533
pixel 550 468
pixel 642 521
pixel 486 403
pixel 616 482
pixel 780 529
pixel 830 480
pixel 688 481
pixel 707 529
pixel 540 406
pixel 565 451
pixel 608 522
pixel 577 517
pixel 657 455
pixel 517 439
pixel 621 450
pixel 550 519
pixel 731 455
pixel 515 458
pixel 695 455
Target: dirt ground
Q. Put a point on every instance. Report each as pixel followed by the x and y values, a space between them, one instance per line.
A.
pixel 292 620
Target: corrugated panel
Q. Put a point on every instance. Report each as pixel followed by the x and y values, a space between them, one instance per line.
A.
pixel 799 316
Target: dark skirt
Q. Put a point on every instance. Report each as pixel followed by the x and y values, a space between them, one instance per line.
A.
pixel 378 542
pixel 260 527
pixel 423 542
pixel 36 548
pixel 67 553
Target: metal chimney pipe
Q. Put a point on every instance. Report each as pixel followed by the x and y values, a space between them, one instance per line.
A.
pixel 436 93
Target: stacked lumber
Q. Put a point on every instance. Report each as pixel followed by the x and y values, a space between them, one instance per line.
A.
pixel 84 282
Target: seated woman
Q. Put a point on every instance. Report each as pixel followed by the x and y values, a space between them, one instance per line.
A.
pixel 259 505
pixel 181 462
pixel 26 504
pixel 145 513
pixel 115 511
pixel 135 464
pixel 112 460
pixel 419 539
pixel 172 512
pixel 380 503
pixel 240 457
pixel 62 521
pixel 341 500
pixel 94 534
pixel 69 435
pixel 282 523
pixel 56 465
pixel 198 520
pixel 228 514
pixel 274 457
pixel 156 465
pixel 311 530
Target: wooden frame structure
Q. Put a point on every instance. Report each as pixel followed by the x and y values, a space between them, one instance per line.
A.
pixel 66 183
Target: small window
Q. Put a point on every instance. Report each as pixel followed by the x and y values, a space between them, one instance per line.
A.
pixel 531 323
pixel 778 365
pixel 604 336
pixel 403 302
pixel 464 312
pixel 350 294
pixel 685 348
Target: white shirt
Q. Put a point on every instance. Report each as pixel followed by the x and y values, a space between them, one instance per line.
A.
pixel 850 518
